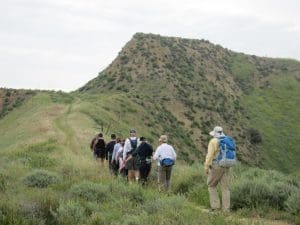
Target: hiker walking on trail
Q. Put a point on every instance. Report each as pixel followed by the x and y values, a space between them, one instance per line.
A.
pixel 109 152
pixel 218 173
pixel 130 146
pixel 166 157
pixel 115 157
pixel 119 159
pixel 143 156
pixel 98 146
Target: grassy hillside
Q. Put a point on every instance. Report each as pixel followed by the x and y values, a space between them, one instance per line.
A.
pixel 200 85
pixel 275 112
pixel 48 174
pixel 157 85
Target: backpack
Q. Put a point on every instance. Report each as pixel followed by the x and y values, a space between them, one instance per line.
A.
pixel 133 144
pixel 100 144
pixel 227 154
pixel 167 162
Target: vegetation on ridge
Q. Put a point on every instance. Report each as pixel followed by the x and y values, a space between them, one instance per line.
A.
pixel 199 85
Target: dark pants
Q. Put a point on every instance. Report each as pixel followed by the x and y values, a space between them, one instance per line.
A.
pixel 114 168
pixel 144 172
pixel 110 165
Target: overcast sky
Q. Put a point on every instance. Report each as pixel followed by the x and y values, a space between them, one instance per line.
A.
pixel 62 44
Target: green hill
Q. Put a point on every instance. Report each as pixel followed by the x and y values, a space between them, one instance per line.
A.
pixel 189 86
pixel 184 88
pixel 157 85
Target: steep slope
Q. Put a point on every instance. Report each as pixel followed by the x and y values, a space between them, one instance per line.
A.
pixel 199 85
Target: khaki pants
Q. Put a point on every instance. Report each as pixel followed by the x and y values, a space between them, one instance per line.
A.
pixel 164 175
pixel 219 175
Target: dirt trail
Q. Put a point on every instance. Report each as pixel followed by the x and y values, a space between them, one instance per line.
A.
pixel 62 124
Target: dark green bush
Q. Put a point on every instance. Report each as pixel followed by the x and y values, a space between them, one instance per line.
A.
pixel 255 137
pixel 40 179
pixel 90 191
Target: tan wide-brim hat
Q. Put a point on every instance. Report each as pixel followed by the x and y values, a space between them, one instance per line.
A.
pixel 217 130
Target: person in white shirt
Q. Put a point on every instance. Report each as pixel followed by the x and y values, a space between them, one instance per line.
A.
pixel 163 153
pixel 130 163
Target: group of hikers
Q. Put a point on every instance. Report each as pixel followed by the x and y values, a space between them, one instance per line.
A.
pixel 132 158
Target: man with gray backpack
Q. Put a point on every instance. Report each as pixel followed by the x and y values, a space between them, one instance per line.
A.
pixel 220 157
pixel 130 163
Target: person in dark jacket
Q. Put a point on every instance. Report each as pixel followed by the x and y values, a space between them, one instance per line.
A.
pixel 109 152
pixel 98 148
pixel 143 156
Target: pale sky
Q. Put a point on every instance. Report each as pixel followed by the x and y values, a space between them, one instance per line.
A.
pixel 62 44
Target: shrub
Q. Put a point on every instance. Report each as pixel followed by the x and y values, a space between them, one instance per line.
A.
pixel 254 192
pixel 293 202
pixel 89 191
pixel 261 188
pixel 40 179
pixel 255 137
pixel 70 213
pixel 280 192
